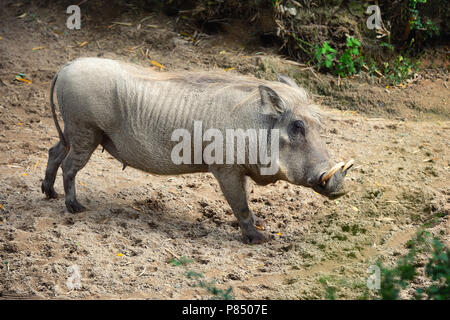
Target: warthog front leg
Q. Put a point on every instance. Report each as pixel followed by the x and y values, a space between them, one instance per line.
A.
pixel 234 187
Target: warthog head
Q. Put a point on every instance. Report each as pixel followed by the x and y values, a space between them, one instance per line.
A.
pixel 303 157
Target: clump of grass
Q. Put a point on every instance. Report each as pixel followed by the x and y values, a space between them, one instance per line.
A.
pixel 217 293
pixel 354 229
pixel 180 261
pixel 193 275
pixel 330 291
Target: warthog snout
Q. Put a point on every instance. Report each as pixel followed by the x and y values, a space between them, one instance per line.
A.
pixel 331 182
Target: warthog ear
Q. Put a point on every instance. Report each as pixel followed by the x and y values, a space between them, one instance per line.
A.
pixel 287 80
pixel 271 102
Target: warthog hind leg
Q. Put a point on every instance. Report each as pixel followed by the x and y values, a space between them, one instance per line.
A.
pixel 83 142
pixel 56 155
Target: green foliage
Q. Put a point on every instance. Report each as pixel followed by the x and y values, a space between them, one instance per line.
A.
pixel 400 69
pixel 324 56
pixel 349 63
pixel 193 275
pixel 415 21
pixel 217 293
pixel 393 280
pixel 180 262
pixel 387 45
pixel 413 3
pixel 438 269
pixel 330 291
pixel 371 66
pixel 300 42
pixel 351 60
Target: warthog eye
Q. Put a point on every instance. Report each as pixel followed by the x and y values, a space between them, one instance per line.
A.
pixel 298 127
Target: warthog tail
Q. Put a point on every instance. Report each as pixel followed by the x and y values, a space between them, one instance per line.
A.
pixel 55 119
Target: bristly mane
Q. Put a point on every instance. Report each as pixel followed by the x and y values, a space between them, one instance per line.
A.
pixel 223 81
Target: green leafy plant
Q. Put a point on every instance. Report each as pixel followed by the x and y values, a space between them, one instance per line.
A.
pixel 349 63
pixel 372 67
pixel 351 60
pixel 415 20
pixel 438 269
pixel 324 56
pixel 400 70
pixel 393 280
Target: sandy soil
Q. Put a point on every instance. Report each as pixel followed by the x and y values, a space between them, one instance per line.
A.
pixel 138 223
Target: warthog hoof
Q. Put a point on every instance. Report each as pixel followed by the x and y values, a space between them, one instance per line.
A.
pixel 50 193
pixel 73 206
pixel 253 236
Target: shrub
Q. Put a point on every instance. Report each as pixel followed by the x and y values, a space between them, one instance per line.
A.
pixel 437 270
pixel 349 63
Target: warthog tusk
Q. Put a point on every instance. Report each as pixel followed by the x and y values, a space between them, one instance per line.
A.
pixel 327 176
pixel 348 165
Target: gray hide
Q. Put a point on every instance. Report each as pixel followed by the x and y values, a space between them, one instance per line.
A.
pixel 132 112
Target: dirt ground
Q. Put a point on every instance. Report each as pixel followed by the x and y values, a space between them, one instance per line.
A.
pixel 137 223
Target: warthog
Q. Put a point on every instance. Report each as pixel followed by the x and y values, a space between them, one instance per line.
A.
pixel 132 112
